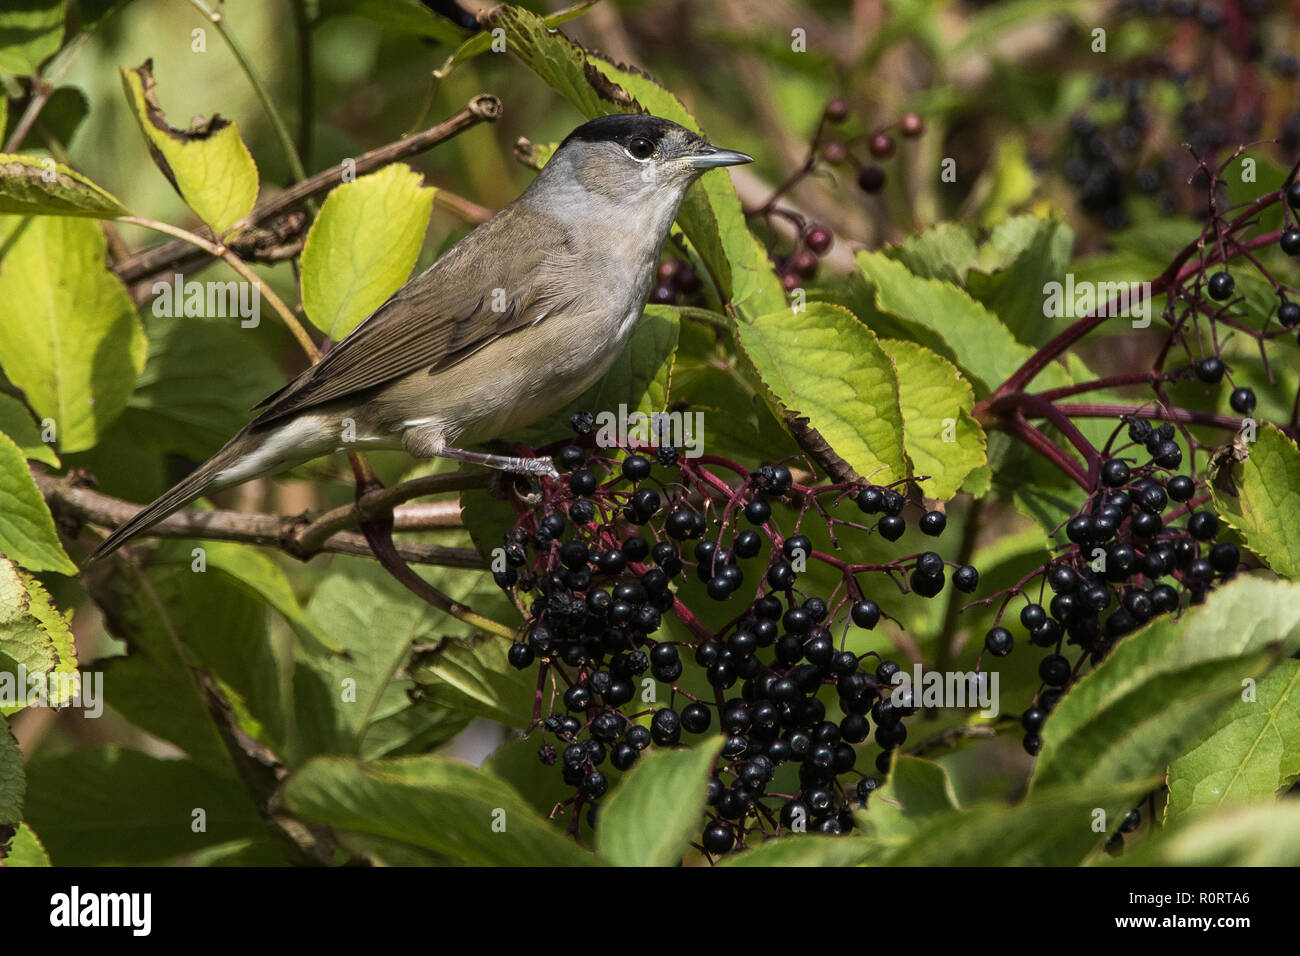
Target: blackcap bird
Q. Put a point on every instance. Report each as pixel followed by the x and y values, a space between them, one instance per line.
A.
pixel 510 324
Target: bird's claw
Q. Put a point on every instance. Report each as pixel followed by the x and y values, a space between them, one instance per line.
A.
pixel 538 466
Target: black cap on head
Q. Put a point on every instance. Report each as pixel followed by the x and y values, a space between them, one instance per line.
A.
pixel 620 128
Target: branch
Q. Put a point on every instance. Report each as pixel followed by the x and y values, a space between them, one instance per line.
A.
pixel 1191 417
pixel 43 87
pixel 73 502
pixel 219 251
pixel 182 257
pixel 1170 278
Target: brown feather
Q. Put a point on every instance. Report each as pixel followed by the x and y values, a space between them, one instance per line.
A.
pixel 445 314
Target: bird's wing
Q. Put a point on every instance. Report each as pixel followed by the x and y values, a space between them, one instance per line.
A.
pixel 470 297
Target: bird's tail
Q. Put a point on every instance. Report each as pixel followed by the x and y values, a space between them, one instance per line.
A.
pixel 179 495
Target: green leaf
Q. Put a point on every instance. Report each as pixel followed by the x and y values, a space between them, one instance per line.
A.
pixel 112 806
pixel 711 215
pixel 462 814
pixel 803 850
pixel 63 114
pixel 738 423
pixel 457 667
pixel 826 366
pixel 207 164
pixel 1014 291
pixel 654 812
pixel 25 850
pixel 226 631
pixel 940 436
pixel 374 622
pixel 916 791
pixel 1248 755
pixel 16 422
pixel 1057 827
pixel 259 575
pixel 1247 836
pixel 69 335
pixel 30 31
pixel 201 378
pixel 1161 687
pixel 483 40
pixel 472 675
pixel 944 251
pixel 32 186
pixel 362 246
pixel 35 635
pixel 1262 499
pixel 13 780
pixel 1006 183
pixel 27 532
pixel 947 319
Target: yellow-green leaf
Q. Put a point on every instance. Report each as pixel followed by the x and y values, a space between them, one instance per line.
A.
pixel 25 849
pixel 207 163
pixel 824 365
pixel 33 186
pixel 363 246
pixel 463 814
pixel 651 816
pixel 69 336
pixel 947 318
pixel 16 422
pixel 27 534
pixel 1244 836
pixel 1160 688
pixel 1260 497
pixel 940 437
pixel 30 31
pixel 1250 753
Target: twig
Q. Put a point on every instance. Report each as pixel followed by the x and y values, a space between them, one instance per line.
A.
pixel 43 87
pixel 378 530
pixel 306 85
pixel 217 19
pixel 74 503
pixel 183 257
pixel 238 264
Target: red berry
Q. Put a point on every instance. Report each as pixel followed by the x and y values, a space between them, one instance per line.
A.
pixel 805 263
pixel 881 146
pixel 837 109
pixel 666 271
pixel 834 152
pixel 871 179
pixel 911 125
pixel 818 238
pixel 790 281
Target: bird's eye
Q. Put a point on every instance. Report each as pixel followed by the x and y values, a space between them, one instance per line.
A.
pixel 640 148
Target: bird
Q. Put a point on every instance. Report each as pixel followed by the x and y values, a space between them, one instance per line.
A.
pixel 513 322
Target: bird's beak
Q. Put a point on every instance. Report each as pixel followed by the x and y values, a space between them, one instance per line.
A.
pixel 710 156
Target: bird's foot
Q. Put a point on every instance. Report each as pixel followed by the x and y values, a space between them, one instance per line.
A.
pixel 543 466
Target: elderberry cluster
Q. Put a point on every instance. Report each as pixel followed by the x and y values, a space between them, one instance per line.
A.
pixel 1126 146
pixel 675 281
pixel 1131 558
pixel 603 557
